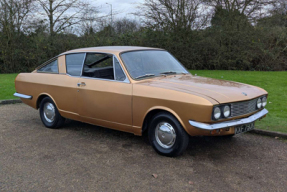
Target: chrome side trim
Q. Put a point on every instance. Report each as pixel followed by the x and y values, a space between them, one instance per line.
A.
pixel 230 123
pixel 22 96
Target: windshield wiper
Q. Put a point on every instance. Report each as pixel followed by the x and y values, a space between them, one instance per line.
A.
pixel 168 72
pixel 146 75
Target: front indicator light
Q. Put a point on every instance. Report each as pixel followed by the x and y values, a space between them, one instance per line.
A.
pixel 216 131
pixel 264 101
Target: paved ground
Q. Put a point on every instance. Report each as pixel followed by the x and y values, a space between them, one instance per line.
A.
pixel 83 157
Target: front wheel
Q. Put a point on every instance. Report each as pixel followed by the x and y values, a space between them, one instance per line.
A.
pixel 167 136
pixel 49 114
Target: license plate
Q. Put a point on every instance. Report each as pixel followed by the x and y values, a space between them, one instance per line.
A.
pixel 244 128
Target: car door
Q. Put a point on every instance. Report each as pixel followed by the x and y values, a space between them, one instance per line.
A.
pixel 68 101
pixel 105 92
pixel 61 85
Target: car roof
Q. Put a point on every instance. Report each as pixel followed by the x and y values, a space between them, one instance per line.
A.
pixel 110 49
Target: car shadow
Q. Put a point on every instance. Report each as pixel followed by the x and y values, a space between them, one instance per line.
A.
pixel 198 146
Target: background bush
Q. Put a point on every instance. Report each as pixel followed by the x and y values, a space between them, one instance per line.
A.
pixel 231 42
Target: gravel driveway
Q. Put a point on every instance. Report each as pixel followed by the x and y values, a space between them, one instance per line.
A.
pixel 82 157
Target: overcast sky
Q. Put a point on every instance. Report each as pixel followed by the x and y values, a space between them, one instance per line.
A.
pixel 121 8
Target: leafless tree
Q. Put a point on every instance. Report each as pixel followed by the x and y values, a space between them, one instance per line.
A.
pixel 125 25
pixel 13 14
pixel 173 14
pixel 62 14
pixel 89 19
pixel 279 6
pixel 278 15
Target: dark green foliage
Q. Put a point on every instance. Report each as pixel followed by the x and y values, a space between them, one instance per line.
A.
pixel 231 42
pixel 229 20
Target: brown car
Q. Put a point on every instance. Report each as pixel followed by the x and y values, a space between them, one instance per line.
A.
pixel 138 89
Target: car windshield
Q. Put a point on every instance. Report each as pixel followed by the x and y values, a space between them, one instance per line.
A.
pixel 142 64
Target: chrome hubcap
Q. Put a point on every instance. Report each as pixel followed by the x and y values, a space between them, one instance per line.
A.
pixel 49 112
pixel 165 135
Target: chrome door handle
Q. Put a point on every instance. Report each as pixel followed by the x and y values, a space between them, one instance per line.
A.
pixel 81 84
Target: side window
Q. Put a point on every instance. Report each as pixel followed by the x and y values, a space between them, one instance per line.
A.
pixel 74 63
pixel 50 68
pixel 99 65
pixel 120 76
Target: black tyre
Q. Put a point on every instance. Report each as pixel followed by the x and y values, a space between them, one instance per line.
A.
pixel 167 136
pixel 228 136
pixel 50 115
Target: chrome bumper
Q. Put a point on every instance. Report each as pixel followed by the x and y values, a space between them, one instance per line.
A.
pixel 231 123
pixel 22 96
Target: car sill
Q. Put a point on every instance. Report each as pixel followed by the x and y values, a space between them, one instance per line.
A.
pixel 22 96
pixel 231 123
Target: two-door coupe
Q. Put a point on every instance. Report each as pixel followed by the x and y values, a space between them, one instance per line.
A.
pixel 138 89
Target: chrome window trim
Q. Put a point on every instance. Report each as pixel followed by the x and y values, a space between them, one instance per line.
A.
pixel 85 54
pixel 81 75
pixel 114 56
pixel 71 75
pixel 47 72
pixel 83 64
pixel 47 63
pixel 105 79
pixel 230 123
pixel 126 79
pixel 114 68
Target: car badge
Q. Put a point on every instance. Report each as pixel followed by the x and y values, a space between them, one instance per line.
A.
pixel 244 93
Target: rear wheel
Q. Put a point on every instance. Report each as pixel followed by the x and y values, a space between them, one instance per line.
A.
pixel 167 136
pixel 50 115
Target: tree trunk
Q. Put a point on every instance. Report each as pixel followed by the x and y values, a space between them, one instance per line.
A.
pixel 51 19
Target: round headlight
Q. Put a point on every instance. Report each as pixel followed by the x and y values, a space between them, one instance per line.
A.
pixel 259 103
pixel 264 101
pixel 216 113
pixel 226 111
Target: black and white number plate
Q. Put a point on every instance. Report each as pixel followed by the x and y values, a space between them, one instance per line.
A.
pixel 244 128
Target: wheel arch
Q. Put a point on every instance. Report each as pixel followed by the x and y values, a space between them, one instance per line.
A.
pixel 155 110
pixel 41 97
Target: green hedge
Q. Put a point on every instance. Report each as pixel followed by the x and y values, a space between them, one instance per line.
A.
pixel 255 48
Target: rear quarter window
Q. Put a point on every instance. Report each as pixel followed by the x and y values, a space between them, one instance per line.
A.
pixel 52 67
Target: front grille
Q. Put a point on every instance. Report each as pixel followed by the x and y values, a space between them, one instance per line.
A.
pixel 244 107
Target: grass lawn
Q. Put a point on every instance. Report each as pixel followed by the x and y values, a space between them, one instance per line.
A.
pixel 273 82
pixel 7 87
